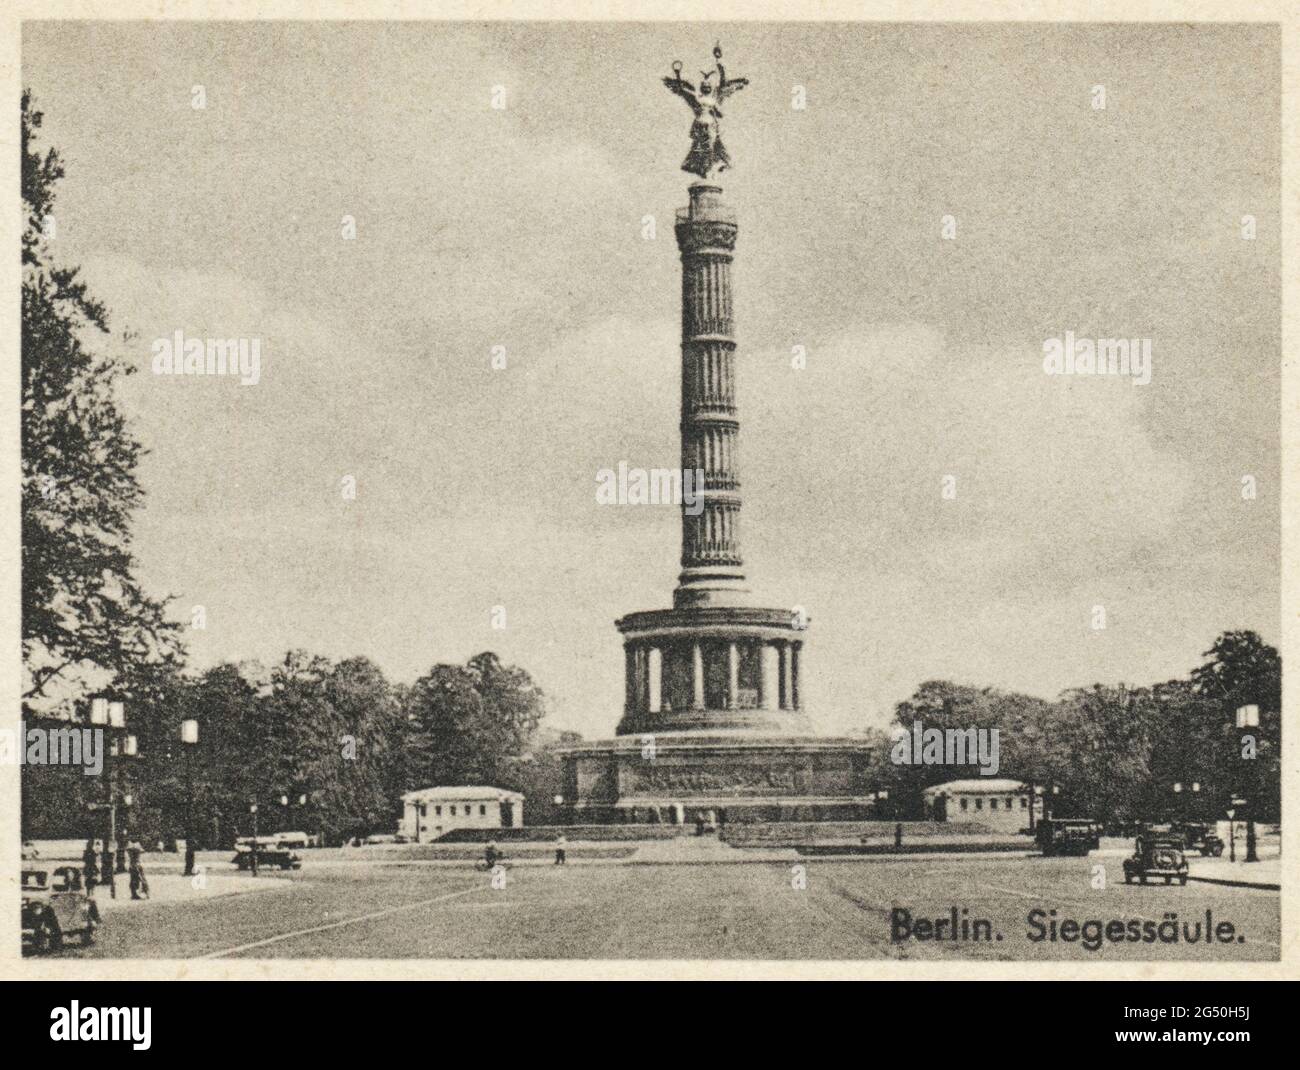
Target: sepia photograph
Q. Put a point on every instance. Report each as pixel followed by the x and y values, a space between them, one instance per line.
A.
pixel 590 490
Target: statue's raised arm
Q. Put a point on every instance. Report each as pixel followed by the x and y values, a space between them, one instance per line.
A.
pixel 725 87
pixel 683 88
pixel 686 91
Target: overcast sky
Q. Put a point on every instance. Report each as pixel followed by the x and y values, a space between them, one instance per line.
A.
pixel 522 227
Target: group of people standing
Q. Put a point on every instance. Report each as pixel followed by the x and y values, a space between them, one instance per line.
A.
pixel 90 865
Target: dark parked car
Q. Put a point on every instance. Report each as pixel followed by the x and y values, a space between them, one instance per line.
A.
pixel 1157 856
pixel 267 855
pixel 55 906
pixel 1203 838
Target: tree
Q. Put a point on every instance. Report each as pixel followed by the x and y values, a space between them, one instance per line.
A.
pixel 1024 725
pixel 82 606
pixel 233 749
pixel 1105 746
pixel 465 721
pixel 338 731
pixel 1241 669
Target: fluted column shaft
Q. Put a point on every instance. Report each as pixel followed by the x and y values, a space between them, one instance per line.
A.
pixel 706 236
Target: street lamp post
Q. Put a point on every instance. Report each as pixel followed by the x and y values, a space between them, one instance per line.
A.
pixel 124 746
pixel 99 718
pixel 127 748
pixel 252 809
pixel 288 802
pixel 1232 834
pixel 1248 717
pixel 110 717
pixel 189 739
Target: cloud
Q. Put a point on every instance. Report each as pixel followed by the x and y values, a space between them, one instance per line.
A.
pixel 486 497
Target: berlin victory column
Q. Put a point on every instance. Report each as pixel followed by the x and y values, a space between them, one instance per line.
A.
pixel 714 724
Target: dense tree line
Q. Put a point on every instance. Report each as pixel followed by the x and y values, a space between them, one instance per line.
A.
pixel 1113 752
pixel 319 746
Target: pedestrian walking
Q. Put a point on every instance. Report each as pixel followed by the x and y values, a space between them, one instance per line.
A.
pixel 139 884
pixel 560 844
pixel 90 865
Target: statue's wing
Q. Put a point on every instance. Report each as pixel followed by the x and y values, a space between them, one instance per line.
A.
pixel 734 86
pixel 685 90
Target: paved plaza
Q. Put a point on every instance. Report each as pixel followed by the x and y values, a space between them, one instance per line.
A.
pixel 620 907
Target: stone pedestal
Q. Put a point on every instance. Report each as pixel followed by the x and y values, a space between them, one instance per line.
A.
pixel 729 776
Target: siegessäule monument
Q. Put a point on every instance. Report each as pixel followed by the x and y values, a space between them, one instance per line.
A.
pixel 713 720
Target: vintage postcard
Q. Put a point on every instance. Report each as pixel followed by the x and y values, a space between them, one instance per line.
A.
pixel 507 492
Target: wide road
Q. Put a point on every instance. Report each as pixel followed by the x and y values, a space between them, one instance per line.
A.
pixel 754 910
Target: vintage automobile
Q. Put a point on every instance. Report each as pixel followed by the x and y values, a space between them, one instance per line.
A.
pixel 1157 856
pixel 268 854
pixel 1068 836
pixel 1203 838
pixel 56 906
